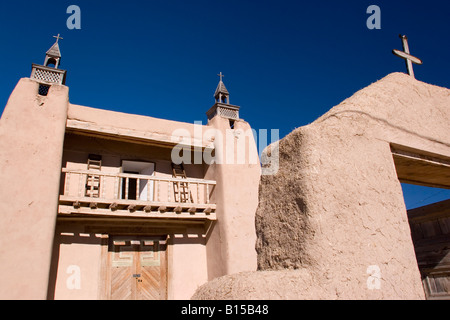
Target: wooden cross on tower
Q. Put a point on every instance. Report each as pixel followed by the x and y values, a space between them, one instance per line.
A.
pixel 58 37
pixel 407 56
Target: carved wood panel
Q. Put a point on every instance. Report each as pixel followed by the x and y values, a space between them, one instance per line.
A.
pixel 137 267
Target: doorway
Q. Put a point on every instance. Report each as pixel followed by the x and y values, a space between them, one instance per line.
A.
pixel 137 268
pixel 427 174
pixel 130 185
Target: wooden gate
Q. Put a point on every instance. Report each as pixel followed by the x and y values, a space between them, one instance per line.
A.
pixel 137 268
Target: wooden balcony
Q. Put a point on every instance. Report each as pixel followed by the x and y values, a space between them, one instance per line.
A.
pixel 101 194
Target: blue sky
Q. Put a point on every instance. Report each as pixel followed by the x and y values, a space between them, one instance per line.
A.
pixel 285 62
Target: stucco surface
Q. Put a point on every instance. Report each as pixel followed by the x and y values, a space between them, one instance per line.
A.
pixel 332 223
pixel 119 124
pixel 31 143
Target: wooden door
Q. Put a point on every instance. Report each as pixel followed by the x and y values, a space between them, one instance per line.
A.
pixel 138 268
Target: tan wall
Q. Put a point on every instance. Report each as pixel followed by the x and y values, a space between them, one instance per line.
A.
pixel 332 223
pixel 76 254
pixel 77 250
pixel 31 142
pixel 188 265
pixel 231 247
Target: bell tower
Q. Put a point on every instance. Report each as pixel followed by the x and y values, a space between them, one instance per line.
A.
pixel 47 74
pixel 222 95
pixel 53 55
pixel 222 107
pixel 32 129
pixel 236 156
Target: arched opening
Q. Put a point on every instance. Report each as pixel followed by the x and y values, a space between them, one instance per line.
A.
pixel 51 62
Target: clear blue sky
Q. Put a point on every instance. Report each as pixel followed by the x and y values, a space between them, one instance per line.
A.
pixel 285 62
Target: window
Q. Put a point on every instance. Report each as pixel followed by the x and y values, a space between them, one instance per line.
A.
pixel 136 188
pixel 43 89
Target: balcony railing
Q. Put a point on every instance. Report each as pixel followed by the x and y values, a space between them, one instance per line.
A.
pixel 93 192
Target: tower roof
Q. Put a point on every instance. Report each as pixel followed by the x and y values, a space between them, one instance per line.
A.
pixel 221 89
pixel 54 51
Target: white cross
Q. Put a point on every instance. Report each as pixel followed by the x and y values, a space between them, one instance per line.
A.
pixel 405 54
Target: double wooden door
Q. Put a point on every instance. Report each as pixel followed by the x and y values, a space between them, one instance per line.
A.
pixel 137 268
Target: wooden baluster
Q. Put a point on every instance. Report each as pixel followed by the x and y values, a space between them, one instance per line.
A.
pixel 67 185
pixel 168 191
pixel 127 182
pixel 198 192
pixel 159 191
pixel 116 187
pixel 148 190
pixel 207 193
pixel 102 187
pixel 138 185
pixel 81 186
pixel 179 191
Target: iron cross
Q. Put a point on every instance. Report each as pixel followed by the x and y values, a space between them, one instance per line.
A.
pixel 405 54
pixel 58 37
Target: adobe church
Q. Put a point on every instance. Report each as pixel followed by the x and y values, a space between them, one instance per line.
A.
pixel 109 215
pixel 92 206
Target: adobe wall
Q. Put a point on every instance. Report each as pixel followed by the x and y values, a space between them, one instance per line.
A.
pixel 77 247
pixel 332 223
pixel 31 142
pixel 231 246
pixel 137 127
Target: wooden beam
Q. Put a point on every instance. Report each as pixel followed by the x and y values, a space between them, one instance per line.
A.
pixel 162 209
pixel 178 209
pixel 122 202
pixel 192 210
pixel 105 212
